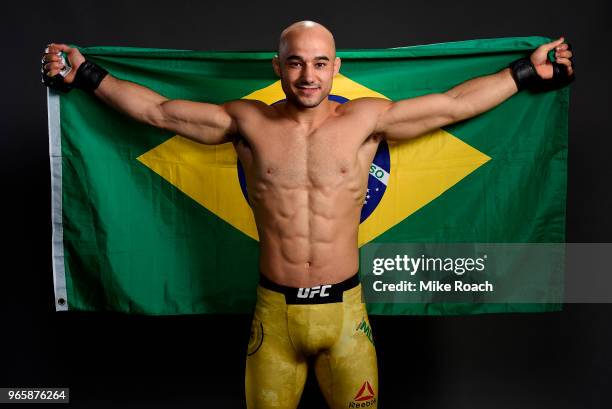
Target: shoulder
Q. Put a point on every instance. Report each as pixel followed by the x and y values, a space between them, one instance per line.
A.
pixel 242 108
pixel 365 106
pixel 368 109
pixel 249 116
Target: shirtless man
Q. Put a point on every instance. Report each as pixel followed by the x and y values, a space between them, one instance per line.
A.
pixel 306 162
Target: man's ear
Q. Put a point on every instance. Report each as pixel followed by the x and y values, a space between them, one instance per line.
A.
pixel 337 64
pixel 276 65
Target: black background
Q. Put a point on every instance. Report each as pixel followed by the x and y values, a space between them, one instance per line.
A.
pixel 552 360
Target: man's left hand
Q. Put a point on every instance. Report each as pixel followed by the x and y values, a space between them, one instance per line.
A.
pixel 563 56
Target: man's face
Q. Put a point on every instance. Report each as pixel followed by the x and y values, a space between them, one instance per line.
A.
pixel 306 66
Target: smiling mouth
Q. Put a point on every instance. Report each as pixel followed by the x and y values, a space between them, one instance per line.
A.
pixel 308 89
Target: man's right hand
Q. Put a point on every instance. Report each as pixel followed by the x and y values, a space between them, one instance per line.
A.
pixel 52 61
pixel 202 122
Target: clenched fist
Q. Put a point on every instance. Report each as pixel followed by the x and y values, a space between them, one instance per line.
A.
pixel 537 73
pixel 563 56
pixel 80 73
pixel 53 63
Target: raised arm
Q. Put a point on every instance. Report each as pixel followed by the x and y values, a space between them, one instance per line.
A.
pixel 412 117
pixel 202 122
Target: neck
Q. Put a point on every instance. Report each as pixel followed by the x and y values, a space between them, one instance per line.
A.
pixel 308 117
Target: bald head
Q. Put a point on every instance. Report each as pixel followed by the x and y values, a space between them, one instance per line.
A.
pixel 302 31
pixel 306 64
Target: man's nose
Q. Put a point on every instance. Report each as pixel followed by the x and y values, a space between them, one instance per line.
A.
pixel 308 73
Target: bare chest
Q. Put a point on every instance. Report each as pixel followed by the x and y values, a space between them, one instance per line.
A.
pixel 329 156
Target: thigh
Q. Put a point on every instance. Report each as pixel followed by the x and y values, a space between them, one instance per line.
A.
pixel 348 373
pixel 275 373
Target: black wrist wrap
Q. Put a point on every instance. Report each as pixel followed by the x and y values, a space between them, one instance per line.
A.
pixel 526 76
pixel 524 73
pixel 56 82
pixel 89 76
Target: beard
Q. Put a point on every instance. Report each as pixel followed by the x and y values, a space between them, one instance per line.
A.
pixel 305 103
pixel 301 101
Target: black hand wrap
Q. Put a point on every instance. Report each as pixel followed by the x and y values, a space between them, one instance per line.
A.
pixel 56 82
pixel 88 77
pixel 526 76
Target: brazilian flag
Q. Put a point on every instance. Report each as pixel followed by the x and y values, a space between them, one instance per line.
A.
pixel 149 222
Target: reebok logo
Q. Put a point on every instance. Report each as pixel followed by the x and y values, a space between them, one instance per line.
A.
pixel 311 292
pixel 364 397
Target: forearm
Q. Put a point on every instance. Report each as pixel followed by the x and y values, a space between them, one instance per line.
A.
pixel 483 93
pixel 136 101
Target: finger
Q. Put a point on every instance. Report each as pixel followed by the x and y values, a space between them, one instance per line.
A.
pixel 52 73
pixel 563 46
pixel 51 48
pixel 567 64
pixel 51 58
pixel 564 54
pixel 54 48
pixel 553 44
pixel 564 61
pixel 64 47
pixel 53 66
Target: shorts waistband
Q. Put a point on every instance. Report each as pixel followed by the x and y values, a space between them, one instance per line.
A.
pixel 318 294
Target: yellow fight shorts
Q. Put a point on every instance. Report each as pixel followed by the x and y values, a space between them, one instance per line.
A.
pixel 326 326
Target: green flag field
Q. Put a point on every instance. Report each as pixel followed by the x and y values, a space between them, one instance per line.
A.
pixel 149 222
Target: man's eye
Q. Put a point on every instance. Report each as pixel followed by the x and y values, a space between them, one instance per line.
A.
pixel 321 64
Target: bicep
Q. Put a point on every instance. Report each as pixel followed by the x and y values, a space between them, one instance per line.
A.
pixel 412 117
pixel 202 122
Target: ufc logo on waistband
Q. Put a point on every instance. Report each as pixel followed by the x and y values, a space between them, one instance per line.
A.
pixel 312 292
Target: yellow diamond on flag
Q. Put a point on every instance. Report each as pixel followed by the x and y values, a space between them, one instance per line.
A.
pixel 420 170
